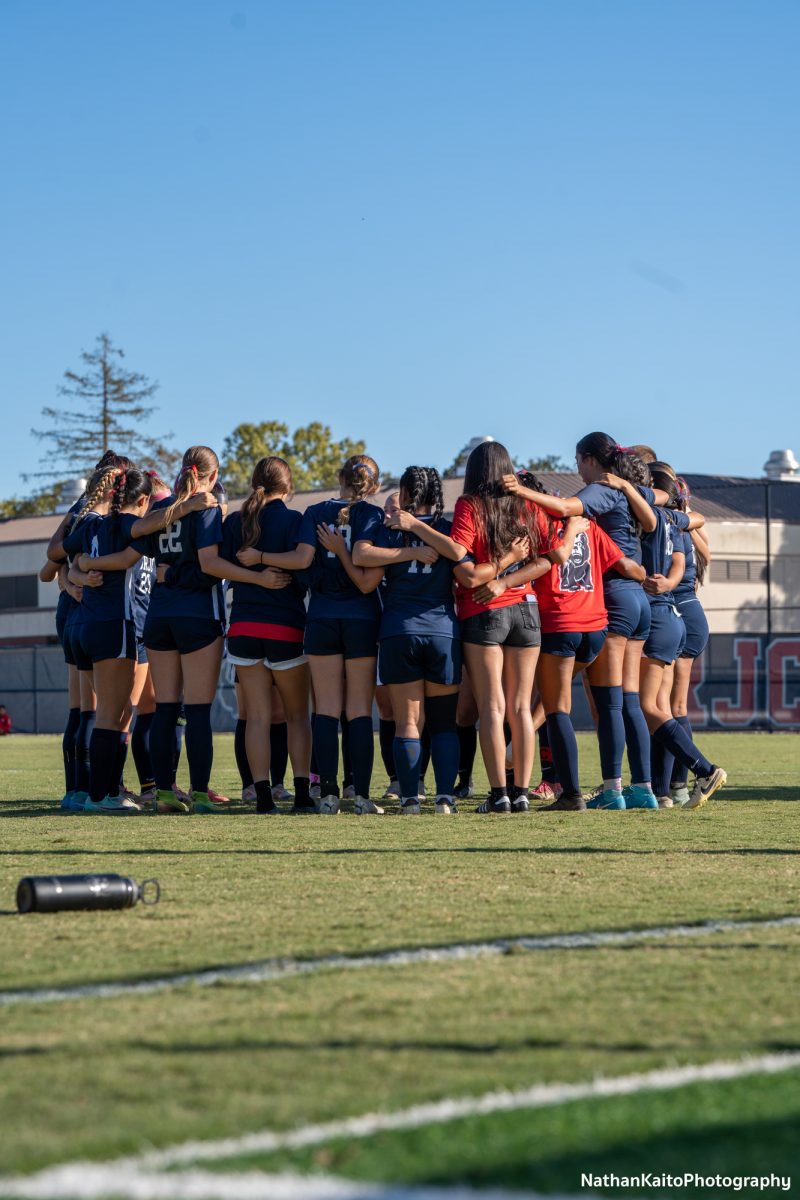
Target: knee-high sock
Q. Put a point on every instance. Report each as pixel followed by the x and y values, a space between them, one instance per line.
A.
pixel 661 764
pixel 440 722
pixel 82 737
pixel 103 752
pixel 610 729
pixel 177 740
pixel 347 762
pixel 548 767
pixel 326 751
pixel 68 748
pixel 122 758
pixel 467 749
pixel 362 753
pixel 162 744
pixel 386 732
pixel 564 745
pixel 240 754
pixel 674 738
pixel 425 758
pixel 680 772
pixel 313 766
pixel 278 751
pixel 199 745
pixel 637 738
pixel 140 749
pixel 407 753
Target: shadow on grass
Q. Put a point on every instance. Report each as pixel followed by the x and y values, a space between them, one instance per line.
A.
pixel 170 851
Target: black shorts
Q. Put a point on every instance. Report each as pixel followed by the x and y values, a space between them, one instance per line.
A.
pixel 275 653
pixel 95 641
pixel 354 638
pixel 584 646
pixel 184 634
pixel 63 631
pixel 514 625
pixel 407 658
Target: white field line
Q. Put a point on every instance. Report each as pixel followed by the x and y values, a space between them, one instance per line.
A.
pixel 93 1182
pixel 280 968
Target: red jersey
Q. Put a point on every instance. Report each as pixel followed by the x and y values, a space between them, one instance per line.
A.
pixel 571 594
pixel 465 532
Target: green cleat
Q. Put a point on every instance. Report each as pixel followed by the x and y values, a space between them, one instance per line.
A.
pixel 168 802
pixel 202 803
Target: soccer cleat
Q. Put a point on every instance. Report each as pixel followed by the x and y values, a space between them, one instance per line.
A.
pixel 113 806
pixel 308 807
pixel 520 804
pixel 67 802
pixel 78 801
pixel 665 802
pixel 147 798
pixel 410 806
pixel 279 792
pixel 249 794
pixel 679 794
pixel 217 798
pixel 609 799
pixel 268 808
pixel 349 793
pixel 501 805
pixel 705 786
pixel 328 805
pixel 393 791
pixel 203 802
pixel 315 792
pixel 564 803
pixel 363 807
pixel 444 806
pixel 421 794
pixel 170 802
pixel 546 791
pixel 184 797
pixel 127 794
pixel 638 796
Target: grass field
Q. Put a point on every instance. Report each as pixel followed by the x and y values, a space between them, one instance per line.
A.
pixel 90 1077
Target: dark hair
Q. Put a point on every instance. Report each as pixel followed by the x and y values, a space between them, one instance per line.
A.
pixel 110 459
pixel 360 474
pixel 619 460
pixel 534 484
pixel 270 475
pixel 684 496
pixel 500 518
pixel 128 486
pixel 423 487
pixel 663 477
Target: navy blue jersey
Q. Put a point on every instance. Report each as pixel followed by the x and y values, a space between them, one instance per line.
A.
pixel 333 594
pixel 610 509
pixel 659 546
pixel 279 606
pixel 177 547
pixel 98 536
pixel 418 598
pixel 687 585
pixel 143 578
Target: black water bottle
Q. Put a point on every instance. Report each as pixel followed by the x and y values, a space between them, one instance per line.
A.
pixel 66 893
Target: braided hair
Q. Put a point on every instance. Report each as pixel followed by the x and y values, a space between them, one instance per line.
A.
pixel 361 477
pixel 128 487
pixel 422 487
pixel 199 462
pixel 96 490
pixel 271 475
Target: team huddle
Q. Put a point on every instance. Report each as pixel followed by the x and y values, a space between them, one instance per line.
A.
pixel 462 631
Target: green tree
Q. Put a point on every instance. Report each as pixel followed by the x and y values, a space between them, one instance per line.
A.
pixel 104 406
pixel 311 452
pixel 40 502
pixel 548 462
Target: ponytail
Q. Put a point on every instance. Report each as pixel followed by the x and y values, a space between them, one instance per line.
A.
pixel 270 476
pixel 199 462
pixel 361 477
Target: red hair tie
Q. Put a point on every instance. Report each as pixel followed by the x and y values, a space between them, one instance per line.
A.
pixel 624 449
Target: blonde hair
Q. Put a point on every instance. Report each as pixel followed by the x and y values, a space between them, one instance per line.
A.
pixel 199 462
pixel 98 485
pixel 360 474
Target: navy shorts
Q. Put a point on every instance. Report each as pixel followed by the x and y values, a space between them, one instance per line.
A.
pixel 275 653
pixel 628 610
pixel 184 634
pixel 334 635
pixel 94 641
pixel 515 625
pixel 407 658
pixel 63 632
pixel 582 646
pixel 667 634
pixel 696 624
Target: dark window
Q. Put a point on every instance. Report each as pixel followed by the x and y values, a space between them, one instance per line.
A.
pixel 19 591
pixel 738 570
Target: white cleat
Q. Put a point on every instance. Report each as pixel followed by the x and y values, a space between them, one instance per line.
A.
pixel 444 806
pixel 665 802
pixel 363 807
pixel 680 796
pixel 392 792
pixel 279 793
pixel 410 807
pixel 249 794
pixel 705 786
pixel 328 806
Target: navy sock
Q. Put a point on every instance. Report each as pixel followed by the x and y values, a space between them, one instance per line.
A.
pixel 68 748
pixel 313 765
pixel 177 738
pixel 407 754
pixel 548 767
pixel 386 731
pixel 199 745
pixel 240 754
pixel 278 752
pixel 103 751
pixel 82 738
pixel 425 758
pixel 677 740
pixel 637 738
pixel 680 773
pixel 162 744
pixel 661 762
pixel 122 758
pixel 140 749
pixel 362 753
pixel 610 729
pixel 326 749
pixel 467 749
pixel 564 746
pixel 347 763
pixel 440 723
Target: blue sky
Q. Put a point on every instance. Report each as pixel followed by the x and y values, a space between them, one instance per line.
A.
pixel 416 220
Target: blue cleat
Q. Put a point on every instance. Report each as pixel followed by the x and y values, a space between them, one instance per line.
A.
pixel 74 802
pixel 638 796
pixel 607 800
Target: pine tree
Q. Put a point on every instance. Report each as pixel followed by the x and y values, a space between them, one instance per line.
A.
pixel 105 406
